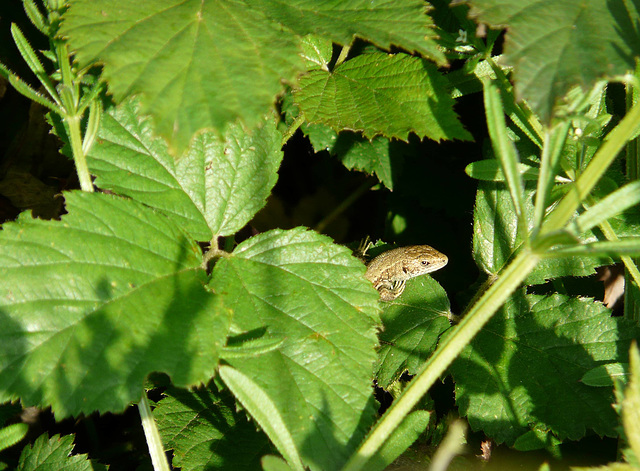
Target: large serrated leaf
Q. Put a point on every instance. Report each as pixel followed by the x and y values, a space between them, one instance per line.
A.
pixel 522 371
pixel 386 23
pixel 215 189
pixel 195 64
pixel 91 304
pixel 205 431
pixel 381 94
pixel 55 453
pixel 554 45
pixel 312 293
pixel 413 324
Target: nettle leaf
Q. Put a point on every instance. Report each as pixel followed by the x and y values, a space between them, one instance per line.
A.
pixel 305 289
pixel 495 237
pixel 55 453
pixel 205 431
pixel 386 23
pixel 522 371
pixel 413 324
pixel 381 94
pixel 97 301
pixel 215 189
pixel 195 64
pixel 555 45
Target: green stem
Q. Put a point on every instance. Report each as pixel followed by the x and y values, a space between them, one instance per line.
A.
pixel 445 354
pixel 608 151
pixel 158 458
pixel 80 159
pixel 293 128
pixel 344 53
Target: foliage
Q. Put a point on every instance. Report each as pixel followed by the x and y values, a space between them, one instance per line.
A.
pixel 266 335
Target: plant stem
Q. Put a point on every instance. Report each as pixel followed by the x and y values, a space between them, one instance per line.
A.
pixel 293 128
pixel 613 143
pixel 75 137
pixel 451 346
pixel 158 458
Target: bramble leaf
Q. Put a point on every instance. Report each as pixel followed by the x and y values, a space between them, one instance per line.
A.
pixel 97 301
pixel 381 94
pixel 195 64
pixel 555 45
pixel 386 23
pixel 303 288
pixel 204 430
pixel 55 453
pixel 215 189
pixel 413 324
pixel 522 371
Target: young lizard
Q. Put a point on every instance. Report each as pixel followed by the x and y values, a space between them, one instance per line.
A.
pixel 390 270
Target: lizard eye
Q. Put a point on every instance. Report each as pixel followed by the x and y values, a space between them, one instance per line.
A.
pixel 425 262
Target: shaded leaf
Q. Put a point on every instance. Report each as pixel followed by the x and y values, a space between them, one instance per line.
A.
pixel 555 45
pixel 386 23
pixel 413 324
pixel 99 300
pixel 55 453
pixel 205 431
pixel 522 371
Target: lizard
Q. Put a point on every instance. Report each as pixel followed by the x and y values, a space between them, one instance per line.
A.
pixel 390 270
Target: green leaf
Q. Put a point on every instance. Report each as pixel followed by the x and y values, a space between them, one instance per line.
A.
pixel 316 52
pixel 401 439
pixel 631 402
pixel 504 150
pixel 491 170
pixel 96 301
pixel 264 411
pixel 522 371
pixel 413 324
pixel 205 431
pixel 55 453
pixel 381 94
pixel 314 294
pixel 12 434
pixel 386 23
pixel 495 238
pixel 195 64
pixel 274 463
pixel 605 375
pixel 613 204
pixel 215 189
pixel 554 45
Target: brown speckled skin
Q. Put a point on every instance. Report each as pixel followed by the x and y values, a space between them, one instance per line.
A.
pixel 390 270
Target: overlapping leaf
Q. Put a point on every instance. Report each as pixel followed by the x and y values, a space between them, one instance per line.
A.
pixel 205 431
pixel 310 292
pixel 523 370
pixel 206 64
pixel 413 324
pixel 385 23
pixel 196 64
pixel 216 188
pixel 555 45
pixel 381 94
pixel 93 303
pixel 55 453
pixel 495 231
